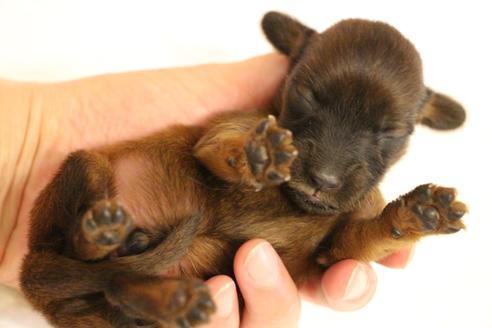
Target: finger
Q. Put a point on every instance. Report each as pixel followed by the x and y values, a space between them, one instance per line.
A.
pixel 398 260
pixel 270 296
pixel 223 291
pixel 346 286
pixel 244 77
pixel 191 94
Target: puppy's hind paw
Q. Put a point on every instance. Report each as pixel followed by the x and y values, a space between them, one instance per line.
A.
pixel 106 224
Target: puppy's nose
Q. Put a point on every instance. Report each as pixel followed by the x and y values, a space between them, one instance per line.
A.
pixel 325 181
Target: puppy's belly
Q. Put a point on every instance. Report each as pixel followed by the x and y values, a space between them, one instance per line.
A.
pixel 157 200
pixel 156 197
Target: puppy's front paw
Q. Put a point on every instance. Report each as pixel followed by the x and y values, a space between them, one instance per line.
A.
pixel 106 224
pixel 428 209
pixel 270 153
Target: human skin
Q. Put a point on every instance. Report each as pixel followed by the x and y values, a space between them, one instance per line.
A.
pixel 40 124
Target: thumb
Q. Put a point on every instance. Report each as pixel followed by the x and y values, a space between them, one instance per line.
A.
pixel 270 296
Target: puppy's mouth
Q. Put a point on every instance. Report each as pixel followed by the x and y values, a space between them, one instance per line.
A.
pixel 311 201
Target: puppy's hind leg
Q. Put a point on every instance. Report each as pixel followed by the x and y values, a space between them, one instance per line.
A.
pixel 57 240
pixel 103 229
pixel 172 302
pixel 79 204
pixel 89 311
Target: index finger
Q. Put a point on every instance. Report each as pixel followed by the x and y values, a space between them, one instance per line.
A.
pixel 399 259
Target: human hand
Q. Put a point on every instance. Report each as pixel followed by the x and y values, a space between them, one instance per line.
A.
pixel 271 298
pixel 45 122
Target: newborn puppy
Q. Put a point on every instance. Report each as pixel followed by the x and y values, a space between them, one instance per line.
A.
pixel 120 235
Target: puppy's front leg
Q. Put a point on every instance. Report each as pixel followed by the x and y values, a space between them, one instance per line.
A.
pixel 427 210
pixel 248 151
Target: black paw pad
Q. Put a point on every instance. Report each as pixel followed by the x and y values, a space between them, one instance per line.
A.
pixel 198 303
pixel 396 233
pixel 256 153
pixel 257 157
pixel 202 309
pixel 455 215
pixel 104 216
pixel 108 238
pixel 106 224
pixel 424 193
pixel 428 216
pixel 283 157
pixel 197 315
pixel 178 300
pixel 206 303
pixel 446 198
pixel 90 224
pixel 277 138
pixel 119 215
pixel 183 323
pixel 136 243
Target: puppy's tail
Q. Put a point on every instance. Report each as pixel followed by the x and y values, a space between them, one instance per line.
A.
pixel 165 254
pixel 440 112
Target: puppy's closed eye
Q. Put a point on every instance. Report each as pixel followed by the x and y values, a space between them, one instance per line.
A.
pixel 392 141
pixel 392 134
pixel 300 105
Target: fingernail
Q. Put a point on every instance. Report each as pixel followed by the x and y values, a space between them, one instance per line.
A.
pixel 410 256
pixel 224 300
pixel 357 284
pixel 262 266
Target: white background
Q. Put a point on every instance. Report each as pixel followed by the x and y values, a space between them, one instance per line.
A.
pixel 448 282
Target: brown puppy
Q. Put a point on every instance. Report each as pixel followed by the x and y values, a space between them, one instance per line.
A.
pixel 119 235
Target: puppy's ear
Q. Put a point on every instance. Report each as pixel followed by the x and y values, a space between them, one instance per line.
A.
pixel 286 34
pixel 441 112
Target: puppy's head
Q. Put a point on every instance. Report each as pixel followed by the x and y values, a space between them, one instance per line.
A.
pixel 352 97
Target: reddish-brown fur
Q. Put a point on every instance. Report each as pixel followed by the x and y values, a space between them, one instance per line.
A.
pixel 119 234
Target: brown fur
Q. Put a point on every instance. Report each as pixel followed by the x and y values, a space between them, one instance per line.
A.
pixel 120 232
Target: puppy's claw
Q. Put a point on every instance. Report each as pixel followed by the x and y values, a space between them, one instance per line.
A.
pixel 396 233
pixel 183 323
pixel 277 138
pixel 275 177
pixel 262 127
pixel 446 196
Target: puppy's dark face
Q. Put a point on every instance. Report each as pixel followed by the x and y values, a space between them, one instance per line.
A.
pixel 352 98
pixel 347 138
